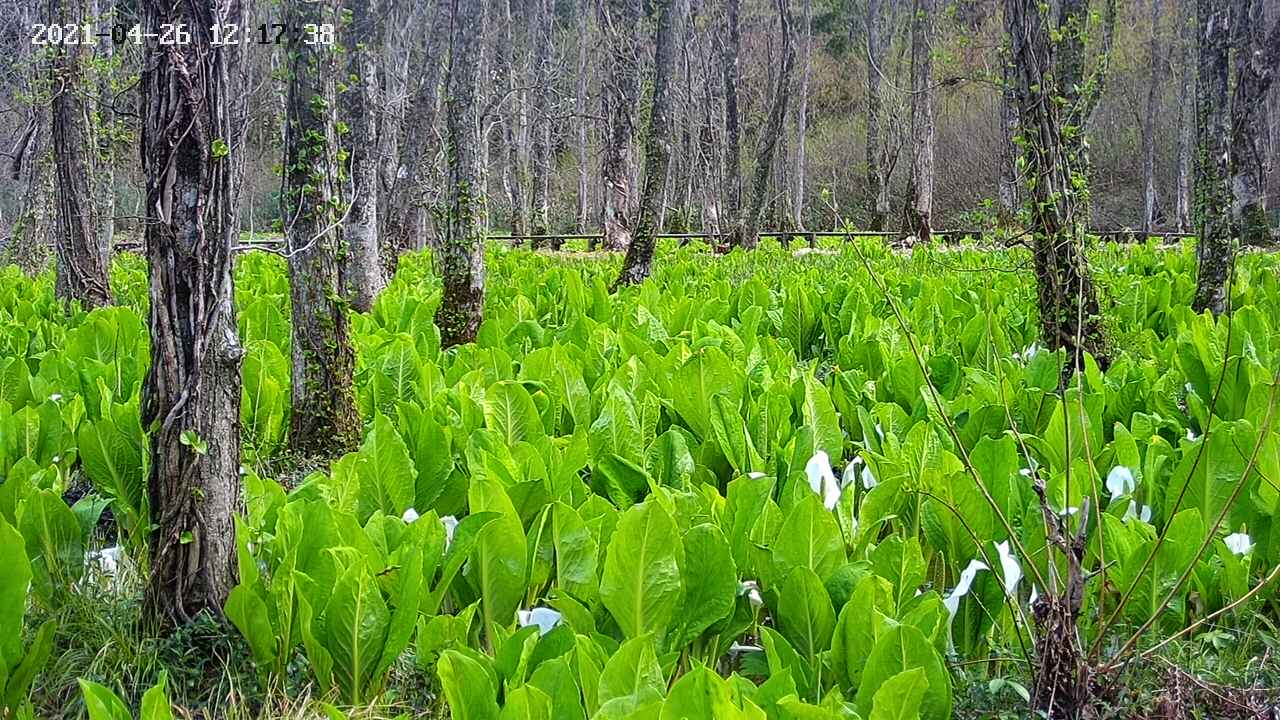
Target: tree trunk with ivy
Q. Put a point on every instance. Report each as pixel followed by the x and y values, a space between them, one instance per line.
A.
pixel 462 253
pixel 324 420
pixel 1052 110
pixel 1216 248
pixel 82 259
pixel 920 206
pixel 364 272
pixel 1070 318
pixel 191 395
pixel 638 262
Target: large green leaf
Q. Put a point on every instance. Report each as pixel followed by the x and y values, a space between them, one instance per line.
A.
pixel 810 538
pixel 387 476
pixel 355 629
pixel 641 581
pixel 500 564
pixel 509 411
pixel 709 581
pixel 468 688
pixel 805 615
pixel 900 649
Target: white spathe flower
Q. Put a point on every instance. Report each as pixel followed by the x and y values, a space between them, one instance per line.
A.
pixel 1009 567
pixel 952 601
pixel 1035 595
pixel 1120 481
pixel 1028 353
pixel 738 648
pixel 756 475
pixel 1191 434
pixel 1238 543
pixel 822 479
pixel 751 589
pixel 1132 513
pixel 450 524
pixel 868 480
pixel 55 397
pixel 409 515
pixel 850 473
pixel 107 560
pixel 545 618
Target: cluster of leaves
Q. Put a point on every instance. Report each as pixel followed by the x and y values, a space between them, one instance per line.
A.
pixel 624 505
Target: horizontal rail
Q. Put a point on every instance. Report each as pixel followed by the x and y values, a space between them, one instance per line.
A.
pixel 811 235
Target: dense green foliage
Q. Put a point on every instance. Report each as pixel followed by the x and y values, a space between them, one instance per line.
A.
pixel 625 506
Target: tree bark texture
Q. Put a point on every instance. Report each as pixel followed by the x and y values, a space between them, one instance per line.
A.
pixel 583 216
pixel 1070 317
pixel 193 383
pixel 1008 187
pixel 408 216
pixel 1186 114
pixel 802 115
pixel 620 20
pixel 770 134
pixel 920 205
pixel 324 420
pixel 82 260
pixel 1216 249
pixel 638 262
pixel 462 252
pixel 543 74
pixel 732 124
pixel 878 167
pixel 104 178
pixel 1156 59
pixel 364 274
pixel 1257 56
pixel 30 159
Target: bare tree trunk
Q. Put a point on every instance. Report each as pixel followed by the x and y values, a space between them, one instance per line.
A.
pixel 324 419
pixel 802 116
pixel 28 243
pixel 104 178
pixel 1008 184
pixel 1216 249
pixel 462 253
pixel 620 20
pixel 770 133
pixel 920 208
pixel 582 217
pixel 1149 122
pixel 364 276
pixel 877 152
pixel 192 387
pixel 1186 113
pixel 1256 60
pixel 638 262
pixel 397 24
pixel 407 212
pixel 83 262
pixel 732 125
pixel 544 24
